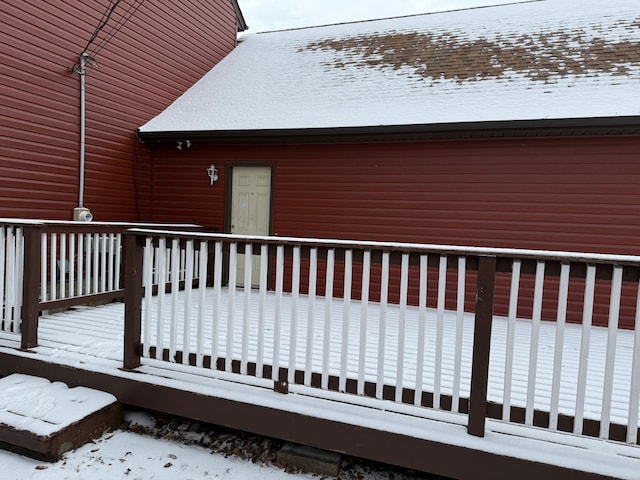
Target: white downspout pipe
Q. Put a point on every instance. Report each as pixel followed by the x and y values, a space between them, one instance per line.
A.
pixel 80 213
pixel 82 72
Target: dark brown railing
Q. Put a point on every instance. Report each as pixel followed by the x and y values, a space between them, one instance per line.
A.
pixel 370 321
pixel 434 290
pixel 50 265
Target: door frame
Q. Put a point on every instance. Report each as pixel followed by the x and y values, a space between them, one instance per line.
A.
pixel 228 187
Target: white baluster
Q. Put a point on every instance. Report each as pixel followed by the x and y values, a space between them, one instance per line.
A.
pixel 278 305
pixel 62 264
pixel 346 308
pixel 313 273
pixel 326 347
pixel 437 371
pixel 462 272
pixel 147 281
pixel 364 305
pixel 203 261
pixel 231 309
pixel 612 335
pixel 422 320
pixel 217 304
pixel 162 269
pixel 404 289
pixel 535 342
pixel 188 290
pixel 248 267
pixel 264 268
pixel 72 264
pixel 587 318
pixel 382 325
pixel 175 290
pixel 561 320
pixel 634 393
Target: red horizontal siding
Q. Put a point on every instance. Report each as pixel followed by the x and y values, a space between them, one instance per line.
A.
pixel 159 54
pixel 181 188
pixel 556 194
pixel 561 194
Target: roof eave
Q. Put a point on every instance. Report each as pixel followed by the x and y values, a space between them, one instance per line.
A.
pixel 625 125
pixel 241 24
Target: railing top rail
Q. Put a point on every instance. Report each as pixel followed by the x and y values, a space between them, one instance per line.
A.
pixel 58 226
pixel 17 221
pixel 455 250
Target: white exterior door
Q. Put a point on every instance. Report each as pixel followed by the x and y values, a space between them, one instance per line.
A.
pixel 250 211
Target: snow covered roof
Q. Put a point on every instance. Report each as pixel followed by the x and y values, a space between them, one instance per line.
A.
pixel 548 59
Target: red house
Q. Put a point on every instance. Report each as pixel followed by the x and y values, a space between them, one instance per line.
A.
pixel 143 58
pixel 507 126
pixel 511 126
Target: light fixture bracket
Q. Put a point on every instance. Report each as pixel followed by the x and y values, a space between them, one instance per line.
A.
pixel 212 171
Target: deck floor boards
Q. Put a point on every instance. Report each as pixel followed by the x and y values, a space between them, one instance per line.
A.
pixel 97 332
pixel 91 338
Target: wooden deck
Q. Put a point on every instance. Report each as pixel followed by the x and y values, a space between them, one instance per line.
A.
pixel 90 339
pixel 391 352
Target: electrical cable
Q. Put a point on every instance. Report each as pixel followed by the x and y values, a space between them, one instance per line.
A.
pixel 124 18
pixel 114 29
pixel 136 189
pixel 103 22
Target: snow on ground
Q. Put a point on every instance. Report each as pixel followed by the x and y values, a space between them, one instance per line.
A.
pixel 159 447
pixel 130 455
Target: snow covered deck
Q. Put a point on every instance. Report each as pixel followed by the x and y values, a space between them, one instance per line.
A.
pixel 91 338
pixel 434 358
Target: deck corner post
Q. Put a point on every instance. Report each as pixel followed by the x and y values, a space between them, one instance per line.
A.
pixel 481 346
pixel 134 251
pixel 31 286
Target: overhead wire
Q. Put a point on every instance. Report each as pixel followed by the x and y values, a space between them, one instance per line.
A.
pixel 115 28
pixel 87 56
pixel 103 22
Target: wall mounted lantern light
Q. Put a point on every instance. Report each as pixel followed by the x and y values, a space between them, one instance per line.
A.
pixel 213 173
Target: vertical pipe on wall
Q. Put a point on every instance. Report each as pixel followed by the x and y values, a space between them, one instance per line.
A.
pixel 82 73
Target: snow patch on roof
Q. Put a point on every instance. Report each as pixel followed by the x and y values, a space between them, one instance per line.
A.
pixel 526 61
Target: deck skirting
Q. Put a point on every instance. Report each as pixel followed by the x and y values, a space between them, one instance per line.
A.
pixel 432 445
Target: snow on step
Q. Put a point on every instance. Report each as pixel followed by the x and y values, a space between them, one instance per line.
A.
pixel 42 419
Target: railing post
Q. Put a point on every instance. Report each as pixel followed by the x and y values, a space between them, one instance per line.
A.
pixel 30 286
pixel 481 346
pixel 133 264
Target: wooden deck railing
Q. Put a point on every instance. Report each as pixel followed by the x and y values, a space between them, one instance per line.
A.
pixel 386 322
pixel 378 320
pixel 47 265
pixel 11 269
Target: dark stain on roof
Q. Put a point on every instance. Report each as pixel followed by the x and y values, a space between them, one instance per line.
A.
pixel 544 56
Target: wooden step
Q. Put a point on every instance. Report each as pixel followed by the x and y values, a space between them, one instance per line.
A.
pixel 309 460
pixel 43 420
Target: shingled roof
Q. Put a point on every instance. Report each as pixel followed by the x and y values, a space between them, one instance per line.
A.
pixel 549 59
